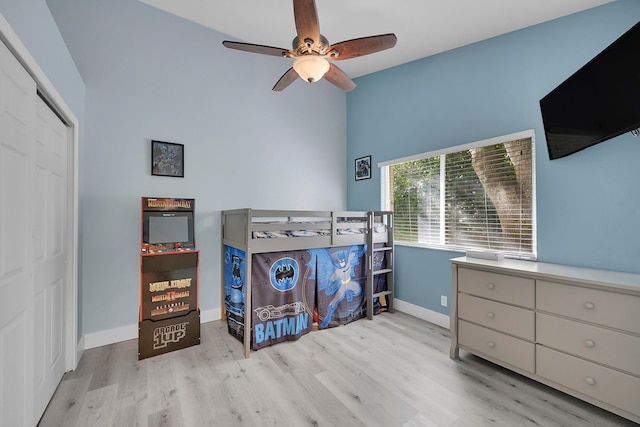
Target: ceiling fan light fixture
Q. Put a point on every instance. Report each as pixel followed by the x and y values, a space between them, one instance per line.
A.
pixel 311 50
pixel 311 68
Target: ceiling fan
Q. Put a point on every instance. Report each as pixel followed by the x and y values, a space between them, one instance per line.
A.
pixel 311 50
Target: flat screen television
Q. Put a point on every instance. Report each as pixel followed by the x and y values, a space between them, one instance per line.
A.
pixel 598 102
pixel 168 228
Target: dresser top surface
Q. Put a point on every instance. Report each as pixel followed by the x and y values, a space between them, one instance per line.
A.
pixel 556 272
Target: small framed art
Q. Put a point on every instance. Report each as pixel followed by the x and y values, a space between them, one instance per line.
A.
pixel 363 168
pixel 167 159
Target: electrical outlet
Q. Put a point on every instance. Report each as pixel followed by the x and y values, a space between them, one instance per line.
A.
pixel 443 300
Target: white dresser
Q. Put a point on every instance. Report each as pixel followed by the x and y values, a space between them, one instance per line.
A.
pixel 574 329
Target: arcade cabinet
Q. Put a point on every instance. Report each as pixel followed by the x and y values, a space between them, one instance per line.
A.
pixel 169 312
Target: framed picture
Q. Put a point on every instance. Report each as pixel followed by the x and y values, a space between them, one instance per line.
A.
pixel 363 168
pixel 167 159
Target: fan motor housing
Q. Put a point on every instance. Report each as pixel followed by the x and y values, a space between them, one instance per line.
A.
pixel 308 46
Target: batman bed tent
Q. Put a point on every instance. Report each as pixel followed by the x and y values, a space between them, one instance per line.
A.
pixel 284 270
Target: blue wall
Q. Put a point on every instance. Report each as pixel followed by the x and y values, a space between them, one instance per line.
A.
pixel 587 203
pixel 152 75
pixel 47 47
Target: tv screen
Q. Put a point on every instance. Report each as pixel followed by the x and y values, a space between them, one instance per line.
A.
pixel 168 228
pixel 598 102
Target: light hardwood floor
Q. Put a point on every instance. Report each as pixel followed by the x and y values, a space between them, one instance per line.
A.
pixel 390 371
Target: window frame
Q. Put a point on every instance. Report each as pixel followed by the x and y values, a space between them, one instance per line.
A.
pixel 385 193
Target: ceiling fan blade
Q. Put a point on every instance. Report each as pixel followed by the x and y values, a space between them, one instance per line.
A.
pixel 287 78
pixel 306 17
pixel 363 46
pixel 338 77
pixel 257 48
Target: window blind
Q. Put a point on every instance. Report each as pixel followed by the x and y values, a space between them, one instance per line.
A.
pixel 481 197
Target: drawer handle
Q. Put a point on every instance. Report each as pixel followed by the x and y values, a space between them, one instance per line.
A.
pixel 589 305
pixel 590 343
pixel 491 315
pixel 492 344
pixel 590 381
pixel 491 286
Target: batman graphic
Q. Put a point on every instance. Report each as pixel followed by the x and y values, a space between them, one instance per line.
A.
pixel 335 274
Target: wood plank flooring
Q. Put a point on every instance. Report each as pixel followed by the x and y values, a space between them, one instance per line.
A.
pixel 390 371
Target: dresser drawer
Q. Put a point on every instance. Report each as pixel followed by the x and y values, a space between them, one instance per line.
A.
pixel 618 350
pixel 607 385
pixel 510 350
pixel 505 318
pixel 601 307
pixel 499 287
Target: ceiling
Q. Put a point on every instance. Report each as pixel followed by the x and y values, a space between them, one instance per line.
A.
pixel 423 27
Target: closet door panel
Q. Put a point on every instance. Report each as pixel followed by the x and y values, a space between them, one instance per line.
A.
pixel 17 118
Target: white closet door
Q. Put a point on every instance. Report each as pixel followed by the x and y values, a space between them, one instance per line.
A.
pixel 17 135
pixel 33 201
pixel 48 216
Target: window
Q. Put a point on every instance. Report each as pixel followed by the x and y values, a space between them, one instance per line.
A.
pixel 478 196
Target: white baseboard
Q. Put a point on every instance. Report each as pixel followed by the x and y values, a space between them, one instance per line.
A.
pixel 130 332
pixel 110 336
pixel 422 313
pixel 210 315
pixel 79 352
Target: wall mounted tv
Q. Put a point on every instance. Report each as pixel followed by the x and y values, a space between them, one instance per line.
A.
pixel 598 102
